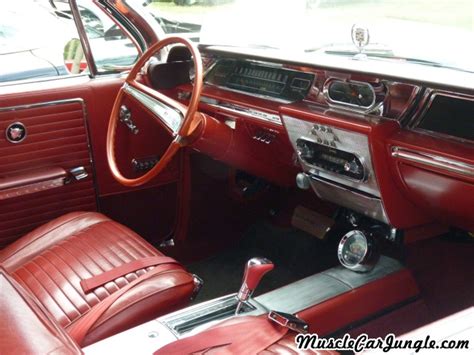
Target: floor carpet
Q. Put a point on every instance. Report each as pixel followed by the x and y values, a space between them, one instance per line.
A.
pixel 295 254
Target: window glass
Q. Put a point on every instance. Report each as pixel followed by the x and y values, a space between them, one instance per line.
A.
pixel 111 48
pixel 39 39
pixel 33 38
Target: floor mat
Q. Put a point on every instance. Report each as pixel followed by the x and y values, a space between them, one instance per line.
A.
pixel 295 254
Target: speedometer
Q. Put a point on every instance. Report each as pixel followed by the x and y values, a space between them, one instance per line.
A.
pixel 357 251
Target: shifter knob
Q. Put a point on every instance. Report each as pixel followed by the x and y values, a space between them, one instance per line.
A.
pixel 254 271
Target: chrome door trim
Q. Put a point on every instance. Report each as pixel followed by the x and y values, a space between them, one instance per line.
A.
pixel 43 104
pixel 86 47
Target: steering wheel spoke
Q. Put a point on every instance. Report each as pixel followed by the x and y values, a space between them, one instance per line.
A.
pixel 169 112
pixel 179 120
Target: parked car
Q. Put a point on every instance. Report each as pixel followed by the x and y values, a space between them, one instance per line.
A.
pixel 26 54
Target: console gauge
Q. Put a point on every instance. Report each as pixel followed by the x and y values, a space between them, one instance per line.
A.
pixel 357 251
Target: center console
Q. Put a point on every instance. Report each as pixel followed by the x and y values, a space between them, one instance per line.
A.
pixel 311 299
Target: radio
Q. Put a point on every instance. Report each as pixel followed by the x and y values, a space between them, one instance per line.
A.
pixel 330 159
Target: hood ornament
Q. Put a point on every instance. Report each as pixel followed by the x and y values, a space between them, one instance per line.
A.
pixel 360 38
pixel 16 132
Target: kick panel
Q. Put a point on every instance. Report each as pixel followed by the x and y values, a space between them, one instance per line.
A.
pixel 55 136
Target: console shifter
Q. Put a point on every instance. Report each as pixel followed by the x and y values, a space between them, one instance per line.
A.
pixel 254 271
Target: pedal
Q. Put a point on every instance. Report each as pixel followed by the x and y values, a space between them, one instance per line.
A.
pixel 311 222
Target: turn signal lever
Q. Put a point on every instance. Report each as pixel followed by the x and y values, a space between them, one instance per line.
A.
pixel 254 271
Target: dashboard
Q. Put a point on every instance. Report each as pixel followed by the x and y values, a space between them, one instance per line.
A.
pixel 397 150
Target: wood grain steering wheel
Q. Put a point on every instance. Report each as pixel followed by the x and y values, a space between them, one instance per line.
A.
pixel 179 120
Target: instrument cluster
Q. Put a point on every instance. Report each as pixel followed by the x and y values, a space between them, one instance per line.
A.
pixel 262 79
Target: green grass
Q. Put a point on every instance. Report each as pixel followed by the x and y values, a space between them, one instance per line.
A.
pixel 454 13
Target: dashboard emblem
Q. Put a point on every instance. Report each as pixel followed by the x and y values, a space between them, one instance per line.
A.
pixel 360 36
pixel 16 132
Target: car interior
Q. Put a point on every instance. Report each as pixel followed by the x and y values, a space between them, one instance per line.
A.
pixel 210 188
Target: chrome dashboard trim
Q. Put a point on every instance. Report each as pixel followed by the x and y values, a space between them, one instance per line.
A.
pixel 352 142
pixel 242 110
pixel 361 196
pixel 265 97
pixel 435 161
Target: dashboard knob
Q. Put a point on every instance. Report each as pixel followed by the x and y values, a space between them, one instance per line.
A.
pixel 351 167
pixel 302 181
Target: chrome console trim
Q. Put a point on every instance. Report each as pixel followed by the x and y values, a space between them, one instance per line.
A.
pixel 321 287
pixel 205 314
pixel 435 161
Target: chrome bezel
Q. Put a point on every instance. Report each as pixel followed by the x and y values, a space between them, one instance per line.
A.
pixel 367 261
pixel 362 160
pixel 351 107
pixel 10 126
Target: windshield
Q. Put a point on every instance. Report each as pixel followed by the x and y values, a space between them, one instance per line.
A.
pixel 426 31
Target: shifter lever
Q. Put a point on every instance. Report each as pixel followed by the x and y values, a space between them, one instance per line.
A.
pixel 254 271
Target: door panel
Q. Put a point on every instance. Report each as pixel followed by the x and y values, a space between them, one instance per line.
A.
pixel 56 138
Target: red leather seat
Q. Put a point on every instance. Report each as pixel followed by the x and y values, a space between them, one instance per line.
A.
pixel 50 262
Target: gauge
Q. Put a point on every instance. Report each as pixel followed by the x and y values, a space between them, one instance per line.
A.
pixel 356 94
pixel 357 251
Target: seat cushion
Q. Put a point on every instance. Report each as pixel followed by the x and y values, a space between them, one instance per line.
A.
pixel 51 261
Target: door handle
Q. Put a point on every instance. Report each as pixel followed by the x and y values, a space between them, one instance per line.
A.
pixel 38 180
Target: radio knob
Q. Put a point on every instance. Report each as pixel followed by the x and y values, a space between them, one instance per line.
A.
pixel 351 167
pixel 302 181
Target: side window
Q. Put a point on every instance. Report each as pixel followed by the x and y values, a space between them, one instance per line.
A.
pixel 39 39
pixel 111 48
pixel 33 41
